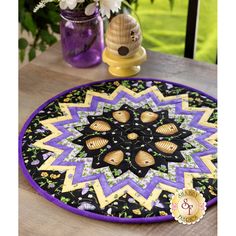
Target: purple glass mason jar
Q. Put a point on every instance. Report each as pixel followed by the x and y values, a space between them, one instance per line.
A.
pixel 82 38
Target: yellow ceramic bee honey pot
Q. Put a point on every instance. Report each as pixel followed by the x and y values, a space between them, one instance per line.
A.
pixel 124 53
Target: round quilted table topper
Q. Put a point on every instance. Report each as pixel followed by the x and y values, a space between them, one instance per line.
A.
pixel 118 150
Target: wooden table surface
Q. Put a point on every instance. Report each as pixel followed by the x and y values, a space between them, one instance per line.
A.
pixel 48 75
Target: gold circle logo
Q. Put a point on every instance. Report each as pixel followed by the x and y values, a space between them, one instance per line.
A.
pixel 188 206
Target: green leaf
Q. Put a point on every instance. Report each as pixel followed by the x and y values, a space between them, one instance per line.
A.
pixel 22 43
pixel 42 47
pixel 47 37
pixel 22 55
pixel 53 16
pixel 28 22
pixel 55 28
pixel 32 54
pixel 21 3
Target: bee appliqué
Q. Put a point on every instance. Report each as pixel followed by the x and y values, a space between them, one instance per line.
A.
pixel 134 37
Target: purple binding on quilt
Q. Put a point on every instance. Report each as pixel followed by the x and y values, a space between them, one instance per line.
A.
pixel 94 215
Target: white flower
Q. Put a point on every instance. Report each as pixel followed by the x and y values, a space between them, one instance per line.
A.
pixel 71 4
pixel 90 9
pixel 41 4
pixel 106 7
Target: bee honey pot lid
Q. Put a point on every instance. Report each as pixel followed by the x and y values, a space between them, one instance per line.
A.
pixel 119 150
